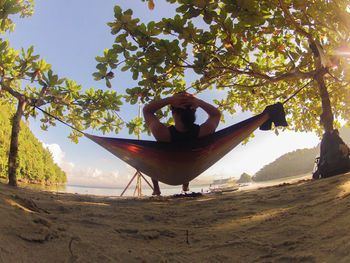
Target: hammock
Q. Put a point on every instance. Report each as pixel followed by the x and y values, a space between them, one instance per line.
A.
pixel 178 163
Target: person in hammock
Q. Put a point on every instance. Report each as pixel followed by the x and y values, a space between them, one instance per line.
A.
pixel 183 107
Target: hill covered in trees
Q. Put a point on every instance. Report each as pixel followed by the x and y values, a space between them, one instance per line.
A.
pixel 294 163
pixel 244 178
pixel 35 163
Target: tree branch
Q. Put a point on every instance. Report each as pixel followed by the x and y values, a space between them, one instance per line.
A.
pixel 292 20
pixel 14 93
pixel 22 97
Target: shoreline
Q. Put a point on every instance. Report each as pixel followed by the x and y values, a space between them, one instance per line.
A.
pixel 167 190
pixel 303 221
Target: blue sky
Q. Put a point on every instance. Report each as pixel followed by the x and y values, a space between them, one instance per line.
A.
pixel 69 34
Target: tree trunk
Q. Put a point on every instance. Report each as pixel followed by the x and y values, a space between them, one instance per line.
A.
pixel 321 69
pixel 327 114
pixel 12 162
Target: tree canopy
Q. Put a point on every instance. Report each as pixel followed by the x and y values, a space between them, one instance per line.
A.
pixel 35 163
pixel 257 52
pixel 28 80
pixel 24 76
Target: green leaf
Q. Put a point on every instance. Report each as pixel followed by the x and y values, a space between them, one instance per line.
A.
pixel 100 59
pixel 108 83
pixel 135 75
pixel 97 76
pixel 125 68
pixel 14 9
pixel 102 68
pixel 117 12
pixel 3 45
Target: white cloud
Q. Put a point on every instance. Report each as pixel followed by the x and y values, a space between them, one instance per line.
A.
pixel 88 176
pixel 91 176
pixel 56 151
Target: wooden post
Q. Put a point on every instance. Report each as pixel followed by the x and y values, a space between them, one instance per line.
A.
pixel 138 174
pixel 128 185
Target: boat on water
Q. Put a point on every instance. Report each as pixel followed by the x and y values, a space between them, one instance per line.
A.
pixel 223 186
pixel 224 189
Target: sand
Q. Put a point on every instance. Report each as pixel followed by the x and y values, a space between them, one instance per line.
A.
pixel 305 221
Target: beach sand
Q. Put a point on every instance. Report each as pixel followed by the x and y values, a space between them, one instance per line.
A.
pixel 305 221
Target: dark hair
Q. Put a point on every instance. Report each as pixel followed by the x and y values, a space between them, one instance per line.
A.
pixel 187 115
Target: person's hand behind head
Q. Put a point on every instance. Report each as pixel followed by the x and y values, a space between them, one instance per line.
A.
pixel 183 100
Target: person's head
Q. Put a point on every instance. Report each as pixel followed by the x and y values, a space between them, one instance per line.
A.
pixel 187 115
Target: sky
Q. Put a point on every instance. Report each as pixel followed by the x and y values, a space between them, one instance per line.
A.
pixel 69 34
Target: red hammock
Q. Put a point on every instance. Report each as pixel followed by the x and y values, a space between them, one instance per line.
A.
pixel 178 163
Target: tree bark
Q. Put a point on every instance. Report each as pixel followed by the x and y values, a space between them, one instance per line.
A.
pixel 327 114
pixel 12 161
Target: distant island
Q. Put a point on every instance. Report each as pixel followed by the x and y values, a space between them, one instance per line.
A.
pixel 294 163
pixel 244 178
pixel 35 163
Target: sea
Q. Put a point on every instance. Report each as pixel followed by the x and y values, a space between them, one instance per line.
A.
pixel 116 191
pixel 147 191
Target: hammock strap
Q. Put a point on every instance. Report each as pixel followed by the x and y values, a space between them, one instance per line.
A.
pixel 72 127
pixel 295 93
pixel 65 123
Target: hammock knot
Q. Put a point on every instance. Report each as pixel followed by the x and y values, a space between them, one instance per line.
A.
pixel 276 116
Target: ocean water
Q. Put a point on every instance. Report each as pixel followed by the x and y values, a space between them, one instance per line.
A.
pixel 147 191
pixel 115 191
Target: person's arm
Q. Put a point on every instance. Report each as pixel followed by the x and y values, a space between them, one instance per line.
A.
pixel 158 129
pixel 179 100
pixel 214 115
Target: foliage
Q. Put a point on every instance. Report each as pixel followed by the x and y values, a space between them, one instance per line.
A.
pixel 290 164
pixel 35 163
pixel 244 178
pixel 27 77
pixel 256 52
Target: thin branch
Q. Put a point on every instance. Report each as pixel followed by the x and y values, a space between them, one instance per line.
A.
pixel 243 86
pixel 14 93
pixel 292 20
